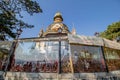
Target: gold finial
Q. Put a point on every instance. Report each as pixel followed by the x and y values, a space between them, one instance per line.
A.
pixel 58 16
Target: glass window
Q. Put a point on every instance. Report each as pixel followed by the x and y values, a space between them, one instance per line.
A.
pixel 65 60
pixel 87 58
pixel 39 56
pixel 112 58
pixel 4 52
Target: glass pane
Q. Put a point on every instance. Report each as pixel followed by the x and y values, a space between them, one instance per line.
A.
pixel 87 58
pixel 38 56
pixel 113 59
pixel 4 52
pixel 65 58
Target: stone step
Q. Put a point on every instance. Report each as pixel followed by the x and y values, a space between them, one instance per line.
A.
pixel 63 76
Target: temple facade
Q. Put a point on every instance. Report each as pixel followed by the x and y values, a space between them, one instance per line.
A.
pixel 58 53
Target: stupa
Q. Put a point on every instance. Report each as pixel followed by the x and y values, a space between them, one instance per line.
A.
pixel 52 29
pixel 58 53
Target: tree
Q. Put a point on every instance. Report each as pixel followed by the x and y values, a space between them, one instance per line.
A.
pixel 112 32
pixel 10 16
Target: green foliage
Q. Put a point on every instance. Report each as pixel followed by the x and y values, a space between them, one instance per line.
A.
pixel 112 32
pixel 10 15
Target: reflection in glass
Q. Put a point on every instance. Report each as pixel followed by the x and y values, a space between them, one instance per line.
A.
pixel 87 58
pixel 112 58
pixel 39 56
pixel 4 52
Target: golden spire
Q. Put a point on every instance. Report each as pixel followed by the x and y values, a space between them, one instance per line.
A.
pixel 58 17
pixel 73 30
pixel 58 14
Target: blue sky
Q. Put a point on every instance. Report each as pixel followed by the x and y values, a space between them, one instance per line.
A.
pixel 87 16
